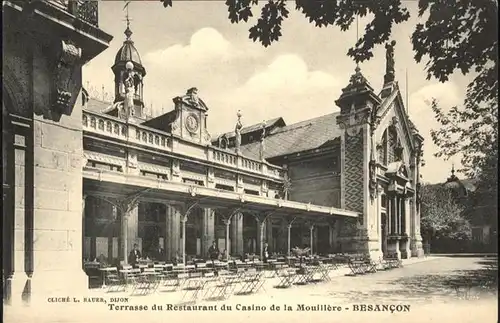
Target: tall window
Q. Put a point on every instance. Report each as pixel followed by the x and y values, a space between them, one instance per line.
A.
pixel 393 144
pixel 382 149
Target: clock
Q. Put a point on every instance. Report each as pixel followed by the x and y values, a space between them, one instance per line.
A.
pixel 192 123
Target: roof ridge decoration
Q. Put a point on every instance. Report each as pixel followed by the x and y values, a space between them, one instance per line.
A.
pixel 357 82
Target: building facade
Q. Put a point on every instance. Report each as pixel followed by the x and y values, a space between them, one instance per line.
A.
pixel 88 180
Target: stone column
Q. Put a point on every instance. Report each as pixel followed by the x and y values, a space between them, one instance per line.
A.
pixel 208 228
pixel 227 222
pixel 237 234
pixel 396 215
pixel 124 236
pixel 269 234
pixel 331 237
pixel 401 215
pixel 172 238
pixel 260 237
pixel 389 215
pixel 311 237
pixel 84 197
pixel 289 229
pixel 133 228
pixel 183 242
pixel 282 239
pixel 405 242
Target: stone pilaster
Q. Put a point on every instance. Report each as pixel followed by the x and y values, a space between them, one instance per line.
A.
pixel 56 242
pixel 356 109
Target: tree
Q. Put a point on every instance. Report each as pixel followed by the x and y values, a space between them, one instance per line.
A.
pixel 459 35
pixel 442 216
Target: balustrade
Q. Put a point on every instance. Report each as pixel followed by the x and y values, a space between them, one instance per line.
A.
pixel 113 127
pixel 84 10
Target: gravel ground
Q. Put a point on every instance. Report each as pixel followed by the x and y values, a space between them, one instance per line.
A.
pixel 428 290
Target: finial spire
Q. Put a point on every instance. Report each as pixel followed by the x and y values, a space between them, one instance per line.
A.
pixel 128 33
pixel 452 169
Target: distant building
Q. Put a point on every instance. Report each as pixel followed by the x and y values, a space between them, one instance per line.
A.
pixel 483 219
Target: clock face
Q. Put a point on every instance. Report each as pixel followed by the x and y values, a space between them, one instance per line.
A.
pixel 192 123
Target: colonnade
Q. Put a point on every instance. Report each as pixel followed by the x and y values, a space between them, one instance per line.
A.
pixel 176 218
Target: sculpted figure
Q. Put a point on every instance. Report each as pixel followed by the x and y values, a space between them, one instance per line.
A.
pixel 389 56
pixel 237 130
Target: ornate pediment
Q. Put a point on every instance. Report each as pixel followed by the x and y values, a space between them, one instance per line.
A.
pixel 190 121
pixel 191 99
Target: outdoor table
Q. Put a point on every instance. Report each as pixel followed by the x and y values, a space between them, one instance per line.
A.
pixel 146 282
pixel 260 265
pixel 357 266
pixel 104 272
pixel 129 275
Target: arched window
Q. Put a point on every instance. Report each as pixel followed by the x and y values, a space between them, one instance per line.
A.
pixel 382 149
pixel 393 144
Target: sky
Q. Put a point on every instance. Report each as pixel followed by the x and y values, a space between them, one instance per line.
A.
pixel 299 77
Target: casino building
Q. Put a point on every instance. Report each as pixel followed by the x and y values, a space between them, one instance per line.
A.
pixel 86 179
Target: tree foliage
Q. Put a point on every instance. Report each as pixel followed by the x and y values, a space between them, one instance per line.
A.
pixel 464 37
pixel 441 215
pixel 458 35
pixel 323 13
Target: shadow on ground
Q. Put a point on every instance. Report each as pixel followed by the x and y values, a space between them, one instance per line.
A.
pixel 448 286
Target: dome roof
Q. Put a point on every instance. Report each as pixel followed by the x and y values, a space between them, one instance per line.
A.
pixel 128 52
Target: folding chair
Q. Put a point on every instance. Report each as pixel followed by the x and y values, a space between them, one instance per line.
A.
pixel 145 283
pixel 324 272
pixel 249 282
pixel 113 281
pixel 193 286
pixel 286 277
pixel 221 289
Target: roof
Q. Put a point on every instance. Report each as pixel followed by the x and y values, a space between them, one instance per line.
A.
pixel 454 182
pixel 302 136
pixel 96 105
pixel 255 127
pixel 162 122
pixel 127 53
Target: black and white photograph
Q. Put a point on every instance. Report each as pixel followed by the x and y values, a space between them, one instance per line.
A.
pixel 250 161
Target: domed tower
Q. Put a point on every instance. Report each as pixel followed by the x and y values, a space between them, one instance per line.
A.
pixel 128 66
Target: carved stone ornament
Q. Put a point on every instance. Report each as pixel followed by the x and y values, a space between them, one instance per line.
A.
pixel 132 160
pixel 211 175
pixel 69 61
pixel 191 99
pixel 372 179
pixel 352 122
pixel 192 190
